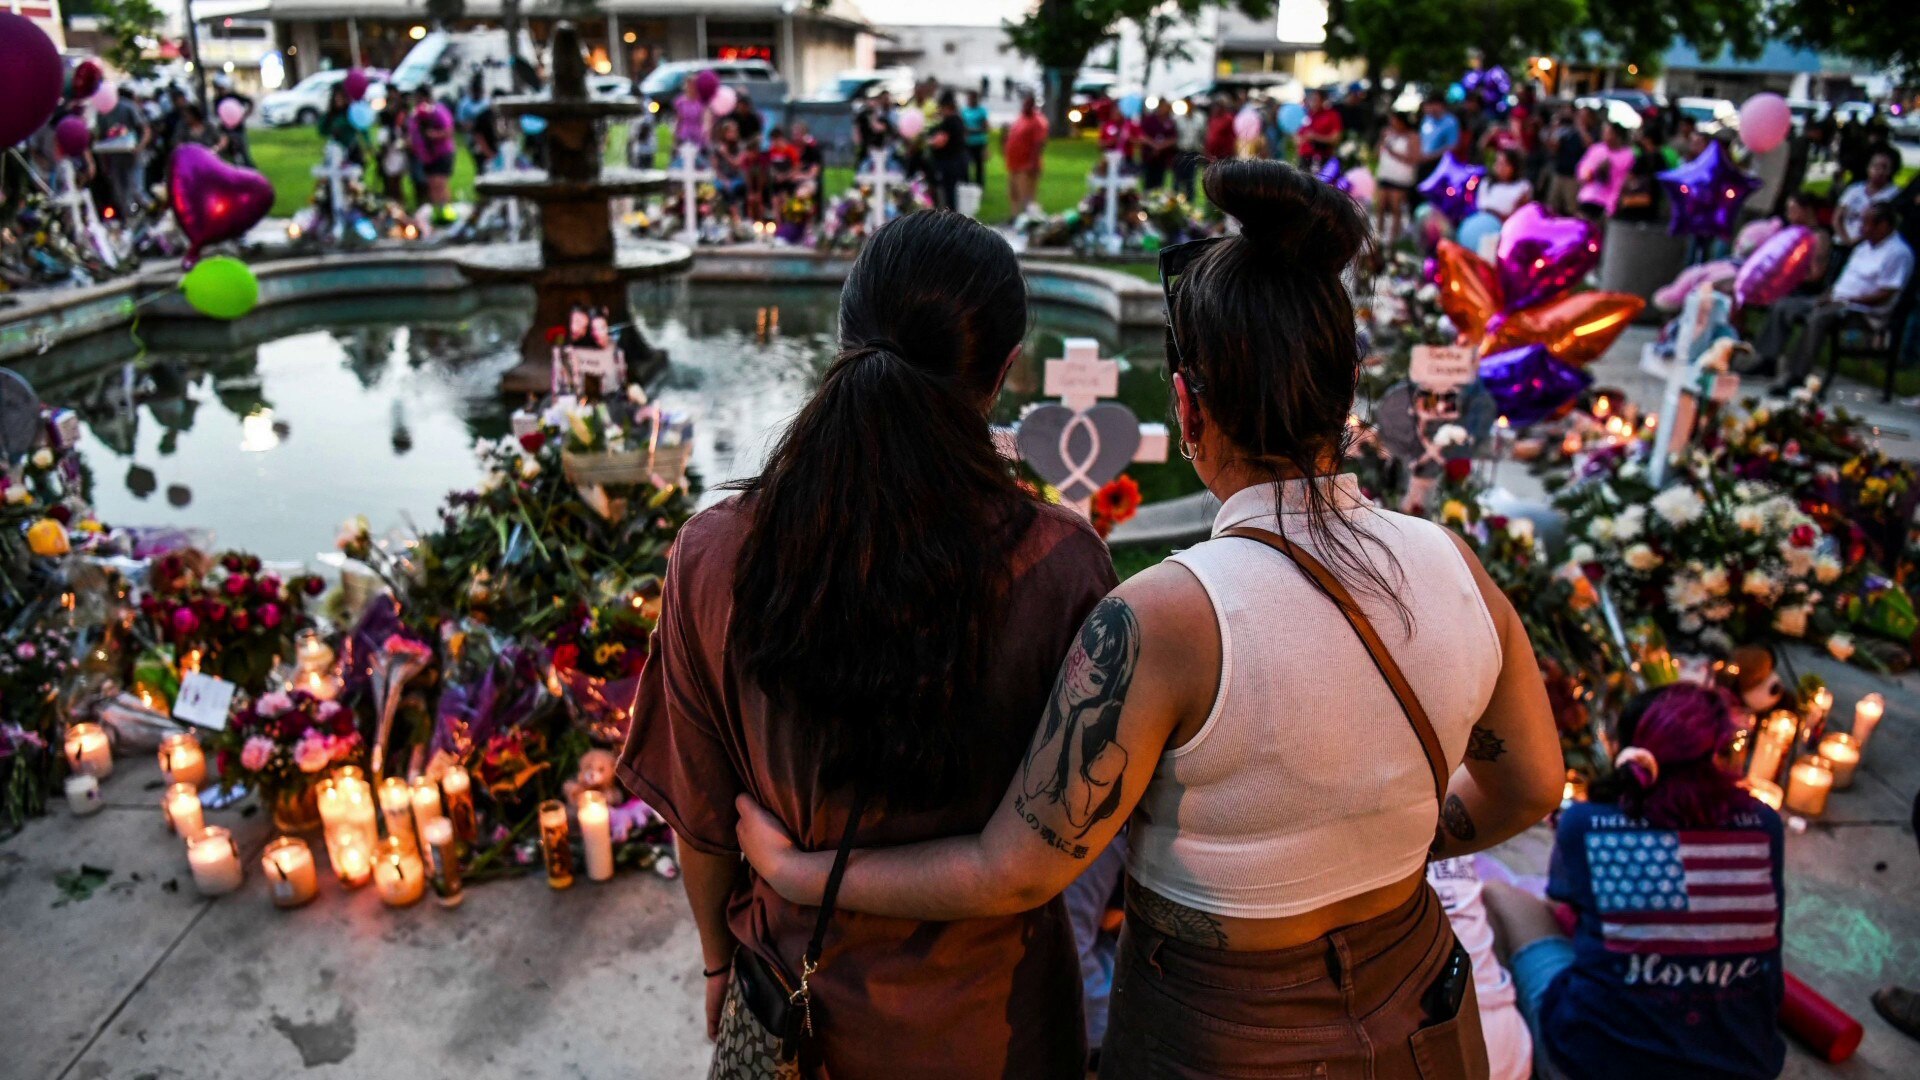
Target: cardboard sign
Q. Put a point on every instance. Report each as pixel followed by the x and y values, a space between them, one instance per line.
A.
pixel 1444 367
pixel 203 701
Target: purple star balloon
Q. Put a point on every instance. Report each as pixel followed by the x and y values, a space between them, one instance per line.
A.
pixel 1706 193
pixel 1453 188
pixel 1331 173
pixel 1529 385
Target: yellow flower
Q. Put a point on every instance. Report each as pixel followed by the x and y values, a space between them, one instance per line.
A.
pixel 47 537
pixel 1454 512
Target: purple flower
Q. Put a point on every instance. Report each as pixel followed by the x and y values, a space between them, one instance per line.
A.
pixel 26 651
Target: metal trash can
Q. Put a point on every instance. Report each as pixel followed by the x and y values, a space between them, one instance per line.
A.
pixel 1639 257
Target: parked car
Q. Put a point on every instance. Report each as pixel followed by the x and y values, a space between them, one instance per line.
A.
pixel 303 102
pixel 1710 115
pixel 1615 110
pixel 444 63
pixel 1642 102
pixel 610 88
pixel 758 77
pixel 855 86
pixel 1256 85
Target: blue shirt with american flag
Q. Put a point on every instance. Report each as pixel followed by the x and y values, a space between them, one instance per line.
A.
pixel 1676 947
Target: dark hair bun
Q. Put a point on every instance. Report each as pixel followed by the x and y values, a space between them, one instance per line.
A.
pixel 1297 219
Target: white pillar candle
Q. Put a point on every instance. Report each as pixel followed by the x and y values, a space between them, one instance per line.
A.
pixel 596 834
pixel 83 794
pixel 1808 784
pixel 181 759
pixel 398 874
pixel 1766 791
pixel 437 835
pixel 352 860
pixel 1770 745
pixel 1842 751
pixel 459 792
pixel 347 810
pixel 1822 703
pixel 313 666
pixel 426 805
pixel 292 879
pixel 215 861
pixel 88 751
pixel 1866 717
pixel 182 806
pixel 396 809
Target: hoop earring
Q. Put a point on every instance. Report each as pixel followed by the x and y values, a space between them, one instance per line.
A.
pixel 1188 450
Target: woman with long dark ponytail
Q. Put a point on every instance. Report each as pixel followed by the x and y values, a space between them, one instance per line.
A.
pixel 858 640
pixel 1295 715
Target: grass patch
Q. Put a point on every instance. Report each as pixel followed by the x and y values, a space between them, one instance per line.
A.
pixel 1128 561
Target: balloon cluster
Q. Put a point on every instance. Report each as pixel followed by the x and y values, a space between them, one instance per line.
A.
pixel 1535 334
pixel 1357 181
pixel 1453 188
pixel 1491 86
pixel 720 100
pixel 1706 193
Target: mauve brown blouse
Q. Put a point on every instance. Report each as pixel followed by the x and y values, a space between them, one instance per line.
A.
pixel 893 998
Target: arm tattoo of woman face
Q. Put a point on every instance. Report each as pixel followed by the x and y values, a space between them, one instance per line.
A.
pixel 1076 760
pixel 1484 745
pixel 1176 920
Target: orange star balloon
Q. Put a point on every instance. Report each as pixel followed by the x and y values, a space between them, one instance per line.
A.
pixel 1575 328
pixel 1469 288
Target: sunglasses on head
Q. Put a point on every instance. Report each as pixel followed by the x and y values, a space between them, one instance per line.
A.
pixel 1174 261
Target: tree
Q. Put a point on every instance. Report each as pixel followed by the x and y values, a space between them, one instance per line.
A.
pixel 1430 41
pixel 1058 35
pixel 127 27
pixel 1885 32
pixel 1162 40
pixel 1641 31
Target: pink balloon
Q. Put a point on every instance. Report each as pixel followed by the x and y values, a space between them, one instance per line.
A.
pixel 1360 184
pixel 723 101
pixel 1765 122
pixel 231 112
pixel 910 122
pixel 354 82
pixel 30 79
pixel 1755 233
pixel 1776 268
pixel 705 85
pixel 1247 124
pixel 1541 255
pixel 72 135
pixel 105 98
pixel 212 200
pixel 1673 295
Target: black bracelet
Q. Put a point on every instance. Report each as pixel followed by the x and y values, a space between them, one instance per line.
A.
pixel 721 970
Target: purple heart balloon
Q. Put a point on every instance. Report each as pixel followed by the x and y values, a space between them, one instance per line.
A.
pixel 1529 385
pixel 1706 193
pixel 1453 188
pixel 212 200
pixel 1541 255
pixel 30 79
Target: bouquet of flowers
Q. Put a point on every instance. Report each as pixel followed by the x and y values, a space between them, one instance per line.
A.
pixel 33 664
pixel 282 743
pixel 238 619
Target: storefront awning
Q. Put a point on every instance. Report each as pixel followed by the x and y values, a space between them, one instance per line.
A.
pixel 842 12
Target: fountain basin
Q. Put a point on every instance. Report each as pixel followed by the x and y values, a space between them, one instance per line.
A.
pixel 519 263
pixel 536 186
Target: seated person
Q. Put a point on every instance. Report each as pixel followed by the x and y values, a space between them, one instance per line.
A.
pixel 782 159
pixel 1509 1044
pixel 730 163
pixel 1673 876
pixel 1803 208
pixel 1868 287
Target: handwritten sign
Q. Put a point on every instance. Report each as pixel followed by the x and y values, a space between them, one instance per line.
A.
pixel 203 701
pixel 1444 367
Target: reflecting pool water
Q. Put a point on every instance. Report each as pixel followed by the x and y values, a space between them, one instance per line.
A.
pixel 273 431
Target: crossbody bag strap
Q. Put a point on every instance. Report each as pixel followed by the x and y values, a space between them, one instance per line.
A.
pixel 811 960
pixel 1376 648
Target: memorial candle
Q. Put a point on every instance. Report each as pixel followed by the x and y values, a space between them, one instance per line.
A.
pixel 181 759
pixel 398 874
pixel 352 860
pixel 88 751
pixel 215 860
pixel 1771 744
pixel 1808 784
pixel 396 809
pixel 596 834
pixel 426 806
pixel 347 810
pixel 183 810
pixel 437 834
pixel 459 792
pixel 1766 791
pixel 292 879
pixel 83 794
pixel 313 666
pixel 1866 717
pixel 556 844
pixel 1843 753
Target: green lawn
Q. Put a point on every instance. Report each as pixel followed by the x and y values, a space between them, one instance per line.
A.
pixel 288 155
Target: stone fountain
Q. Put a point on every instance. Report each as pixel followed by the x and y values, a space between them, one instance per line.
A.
pixel 577 259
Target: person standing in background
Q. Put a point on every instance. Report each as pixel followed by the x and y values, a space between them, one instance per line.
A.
pixel 974 116
pixel 1603 172
pixel 123 137
pixel 1221 140
pixel 947 153
pixel 1439 133
pixel 1025 146
pixel 1509 1043
pixel 1190 145
pixel 396 160
pixel 873 126
pixel 236 148
pixel 1569 145
pixel 1395 175
pixel 1159 142
pixel 1319 139
pixel 690 119
pixel 430 137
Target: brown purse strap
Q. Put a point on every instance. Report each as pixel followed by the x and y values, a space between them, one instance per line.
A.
pixel 1382 659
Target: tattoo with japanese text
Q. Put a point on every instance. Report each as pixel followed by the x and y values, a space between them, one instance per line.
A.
pixel 1076 761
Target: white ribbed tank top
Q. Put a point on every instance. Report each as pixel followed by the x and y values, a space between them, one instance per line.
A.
pixel 1307 785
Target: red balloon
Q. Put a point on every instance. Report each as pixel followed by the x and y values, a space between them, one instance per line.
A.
pixel 30 78
pixel 212 200
pixel 705 83
pixel 1577 328
pixel 1776 267
pixel 1469 290
pixel 354 82
pixel 72 136
pixel 86 79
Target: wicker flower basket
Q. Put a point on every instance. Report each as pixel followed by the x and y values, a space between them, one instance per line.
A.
pixel 626 467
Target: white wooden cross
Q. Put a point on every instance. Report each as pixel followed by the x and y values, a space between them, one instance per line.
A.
pixel 1680 403
pixel 82 217
pixel 1081 379
pixel 1111 183
pixel 335 170
pixel 686 169
pixel 880 172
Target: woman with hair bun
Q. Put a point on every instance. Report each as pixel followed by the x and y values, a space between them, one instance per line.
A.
pixel 1673 876
pixel 1295 715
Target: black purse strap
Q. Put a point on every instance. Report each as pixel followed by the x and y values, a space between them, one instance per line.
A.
pixel 811 961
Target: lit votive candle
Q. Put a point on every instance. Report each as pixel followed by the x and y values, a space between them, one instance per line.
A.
pixel 398 874
pixel 352 861
pixel 215 860
pixel 556 844
pixel 83 794
pixel 396 809
pixel 1822 702
pixel 437 835
pixel 459 792
pixel 181 759
pixel 292 879
pixel 1771 744
pixel 1766 791
pixel 426 805
pixel 1866 717
pixel 88 751
pixel 1842 751
pixel 1808 784
pixel 182 806
pixel 596 834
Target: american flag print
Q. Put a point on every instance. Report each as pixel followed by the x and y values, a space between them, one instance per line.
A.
pixel 1684 892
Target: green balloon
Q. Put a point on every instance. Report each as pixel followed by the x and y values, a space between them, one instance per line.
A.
pixel 221 287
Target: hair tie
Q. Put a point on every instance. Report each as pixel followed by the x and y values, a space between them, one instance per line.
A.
pixel 1643 759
